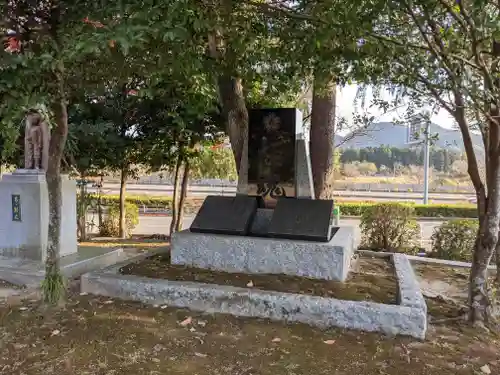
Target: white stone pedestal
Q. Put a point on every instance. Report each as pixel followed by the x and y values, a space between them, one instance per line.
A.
pixel 24 234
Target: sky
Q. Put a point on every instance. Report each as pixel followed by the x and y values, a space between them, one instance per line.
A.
pixel 345 108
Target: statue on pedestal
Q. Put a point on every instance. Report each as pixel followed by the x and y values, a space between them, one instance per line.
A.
pixel 36 141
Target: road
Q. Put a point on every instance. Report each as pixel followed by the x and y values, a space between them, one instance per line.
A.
pixel 161 225
pixel 202 191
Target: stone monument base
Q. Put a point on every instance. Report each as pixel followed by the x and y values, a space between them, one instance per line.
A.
pixel 24 215
pixel 25 272
pixel 321 260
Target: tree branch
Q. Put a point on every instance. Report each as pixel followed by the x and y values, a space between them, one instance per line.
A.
pixel 473 168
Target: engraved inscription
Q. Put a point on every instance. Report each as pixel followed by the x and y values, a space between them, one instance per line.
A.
pixel 16 207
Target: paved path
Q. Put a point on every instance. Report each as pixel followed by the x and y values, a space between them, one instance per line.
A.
pixel 202 191
pixel 161 225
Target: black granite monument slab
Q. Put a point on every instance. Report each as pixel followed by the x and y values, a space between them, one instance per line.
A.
pixel 271 153
pixel 225 215
pixel 302 219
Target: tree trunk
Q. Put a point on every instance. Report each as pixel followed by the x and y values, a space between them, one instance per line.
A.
pixel 53 285
pixel 235 115
pixel 183 195
pixel 322 140
pixel 82 212
pixel 99 203
pixel 231 94
pixel 488 207
pixel 175 210
pixel 478 283
pixel 123 185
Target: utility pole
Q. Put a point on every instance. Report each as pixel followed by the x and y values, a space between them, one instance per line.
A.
pixel 426 162
pixel 414 129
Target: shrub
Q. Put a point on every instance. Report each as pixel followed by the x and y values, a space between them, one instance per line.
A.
pixel 350 170
pixel 390 227
pixel 110 227
pixel 454 240
pixel 367 169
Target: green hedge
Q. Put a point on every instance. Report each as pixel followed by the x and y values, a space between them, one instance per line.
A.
pixel 421 210
pixel 346 208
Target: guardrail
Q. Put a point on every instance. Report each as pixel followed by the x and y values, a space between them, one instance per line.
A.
pixel 339 185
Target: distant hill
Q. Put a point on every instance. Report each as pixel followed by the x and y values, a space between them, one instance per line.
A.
pixel 394 135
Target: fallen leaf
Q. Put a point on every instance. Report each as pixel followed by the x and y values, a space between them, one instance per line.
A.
pixel 250 284
pixel 192 329
pixel 201 355
pixel 186 321
pixel 276 339
pixel 329 342
pixel 486 369
pixel 55 332
pixel 158 348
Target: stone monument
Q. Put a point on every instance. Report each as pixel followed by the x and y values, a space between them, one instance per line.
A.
pixel 24 217
pixel 277 226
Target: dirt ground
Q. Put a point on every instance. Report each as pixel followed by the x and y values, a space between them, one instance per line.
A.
pixel 100 336
pixel 6 284
pixel 97 335
pixel 445 288
pixel 373 280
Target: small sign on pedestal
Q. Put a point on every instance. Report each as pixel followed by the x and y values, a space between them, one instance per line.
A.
pixel 16 207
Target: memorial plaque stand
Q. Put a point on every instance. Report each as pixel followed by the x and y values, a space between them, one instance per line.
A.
pixel 302 219
pixel 225 215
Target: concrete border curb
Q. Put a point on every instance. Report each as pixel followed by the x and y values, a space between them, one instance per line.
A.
pixel 409 317
pixel 417 259
pixel 28 273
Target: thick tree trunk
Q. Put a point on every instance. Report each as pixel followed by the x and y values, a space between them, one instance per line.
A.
pixel 231 94
pixel 322 140
pixel 183 195
pixel 488 206
pixel 236 117
pixel 123 186
pixel 494 140
pixel 175 209
pixel 53 286
pixel 478 284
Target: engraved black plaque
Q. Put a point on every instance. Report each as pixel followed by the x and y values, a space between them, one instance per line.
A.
pixel 302 219
pixel 271 145
pixel 225 215
pixel 271 153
